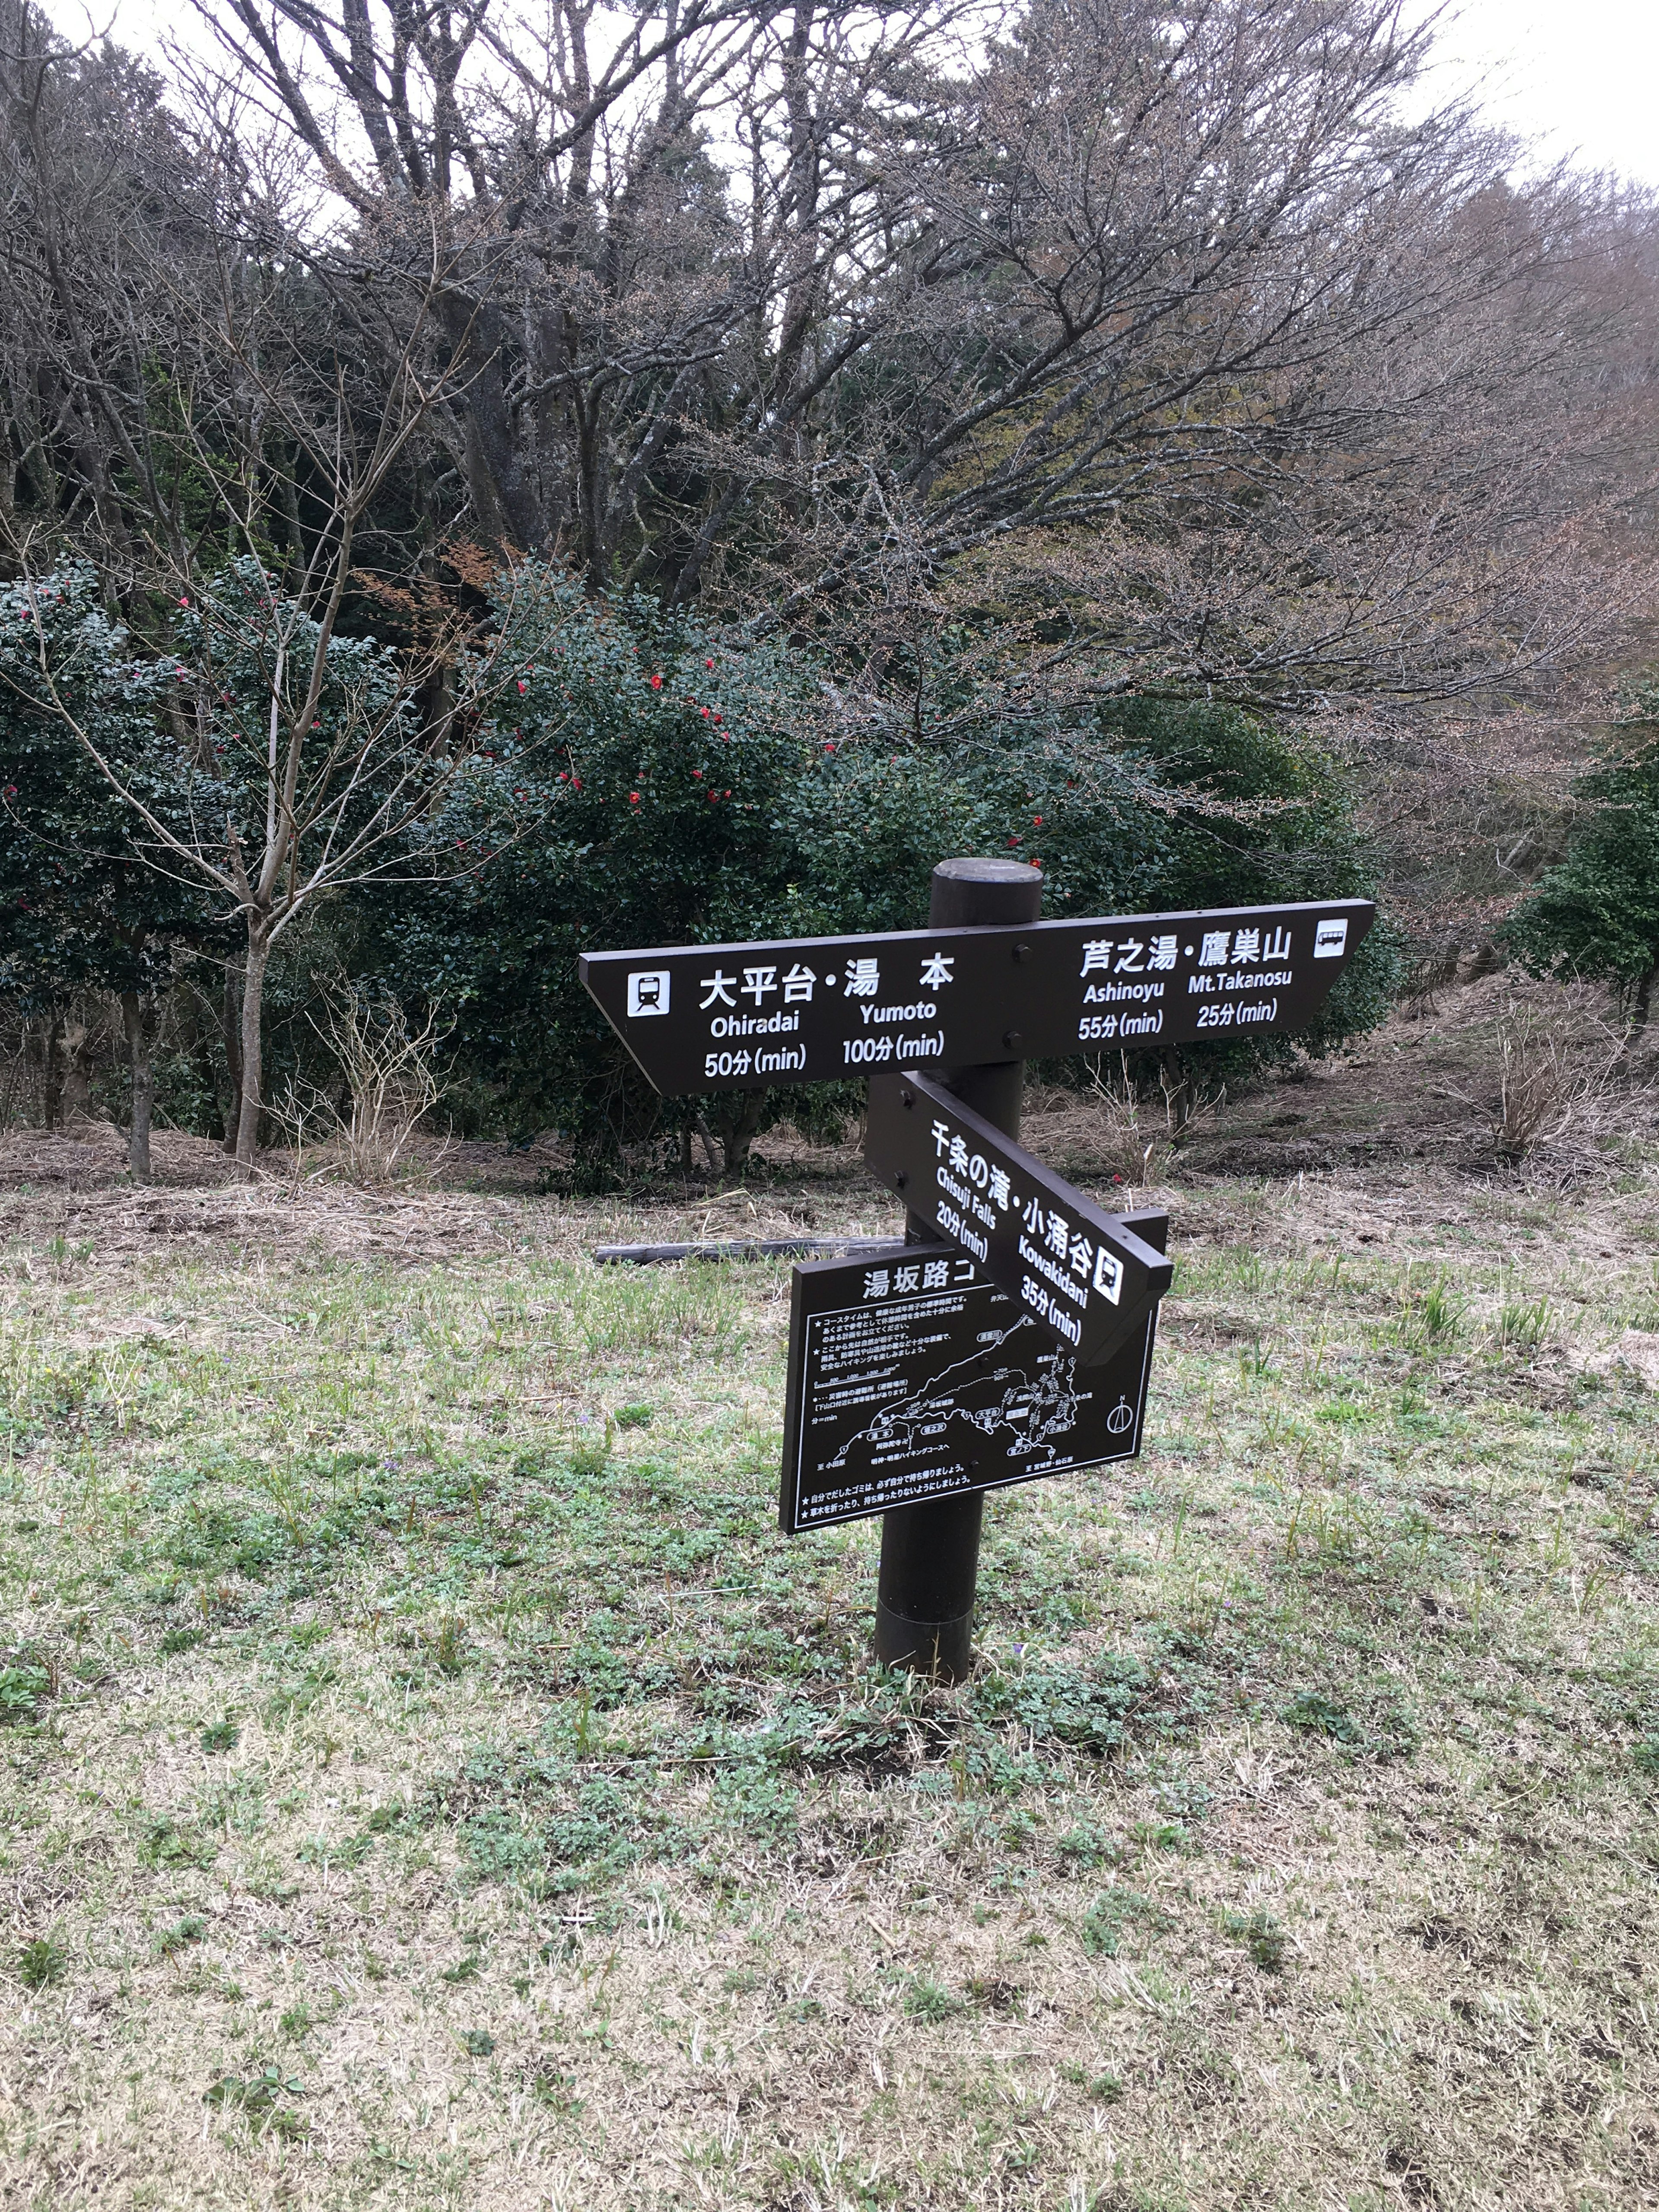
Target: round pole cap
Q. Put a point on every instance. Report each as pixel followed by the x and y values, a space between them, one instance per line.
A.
pixel 975 890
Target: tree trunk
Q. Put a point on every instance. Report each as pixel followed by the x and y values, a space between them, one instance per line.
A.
pixel 710 1149
pixel 138 1020
pixel 51 1073
pixel 740 1133
pixel 1643 999
pixel 248 1117
pixel 77 1071
pixel 230 1027
pixel 1641 1005
pixel 1176 1088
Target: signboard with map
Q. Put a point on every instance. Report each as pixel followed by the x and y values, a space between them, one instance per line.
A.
pixel 1020 1346
pixel 912 1376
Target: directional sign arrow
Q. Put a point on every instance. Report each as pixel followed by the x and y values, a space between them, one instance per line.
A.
pixel 1084 1275
pixel 820 1009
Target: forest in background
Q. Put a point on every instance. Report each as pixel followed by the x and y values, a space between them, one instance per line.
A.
pixel 471 492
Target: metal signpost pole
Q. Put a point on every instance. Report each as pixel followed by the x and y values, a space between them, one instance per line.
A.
pixel 930 1551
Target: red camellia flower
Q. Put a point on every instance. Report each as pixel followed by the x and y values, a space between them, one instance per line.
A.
pixel 656 683
pixel 1013 841
pixel 575 783
pixel 632 799
pixel 522 686
pixel 696 772
pixel 184 603
pixel 1037 821
pixel 708 663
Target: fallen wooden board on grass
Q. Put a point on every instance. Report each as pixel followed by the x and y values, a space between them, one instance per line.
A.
pixel 735 1247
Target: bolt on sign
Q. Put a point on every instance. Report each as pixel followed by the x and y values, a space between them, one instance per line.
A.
pixel 820 1009
pixel 913 1376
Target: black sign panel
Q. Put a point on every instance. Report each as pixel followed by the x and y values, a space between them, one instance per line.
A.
pixel 1084 1277
pixel 740 1017
pixel 912 1376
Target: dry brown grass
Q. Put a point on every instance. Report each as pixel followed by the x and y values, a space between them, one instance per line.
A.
pixel 1360 1913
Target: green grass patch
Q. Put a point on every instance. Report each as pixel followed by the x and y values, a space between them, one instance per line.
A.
pixel 402 1678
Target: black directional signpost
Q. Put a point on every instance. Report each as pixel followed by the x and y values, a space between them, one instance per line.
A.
pixel 743 1017
pixel 1011 1334
pixel 1085 1276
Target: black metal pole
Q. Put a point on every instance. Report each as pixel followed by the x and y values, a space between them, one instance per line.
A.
pixel 930 1552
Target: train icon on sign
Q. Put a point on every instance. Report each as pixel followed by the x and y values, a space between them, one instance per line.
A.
pixel 1331 938
pixel 648 991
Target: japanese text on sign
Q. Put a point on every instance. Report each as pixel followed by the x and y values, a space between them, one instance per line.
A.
pixel 745 1016
pixel 1079 1272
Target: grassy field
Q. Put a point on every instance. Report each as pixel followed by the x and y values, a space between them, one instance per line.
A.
pixel 430 1781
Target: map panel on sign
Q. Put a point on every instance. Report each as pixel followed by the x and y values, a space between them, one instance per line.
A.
pixel 814 1010
pixel 912 1376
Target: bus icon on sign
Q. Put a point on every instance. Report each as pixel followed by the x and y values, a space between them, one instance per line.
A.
pixel 648 991
pixel 1331 938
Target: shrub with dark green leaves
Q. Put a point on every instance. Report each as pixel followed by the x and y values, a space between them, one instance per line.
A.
pixel 1596 914
pixel 82 906
pixel 659 786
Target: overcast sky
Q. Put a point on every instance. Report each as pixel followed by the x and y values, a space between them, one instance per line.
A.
pixel 1580 77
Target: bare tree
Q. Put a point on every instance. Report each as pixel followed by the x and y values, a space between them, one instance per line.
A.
pixel 1157 324
pixel 303 760
pixel 102 195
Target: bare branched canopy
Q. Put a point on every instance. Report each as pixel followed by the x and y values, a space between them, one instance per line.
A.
pixel 1182 336
pixel 1095 347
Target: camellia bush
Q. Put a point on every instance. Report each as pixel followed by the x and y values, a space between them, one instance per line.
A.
pixel 1596 914
pixel 83 905
pixel 659 785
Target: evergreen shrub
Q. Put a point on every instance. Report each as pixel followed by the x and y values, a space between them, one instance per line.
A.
pixel 659 786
